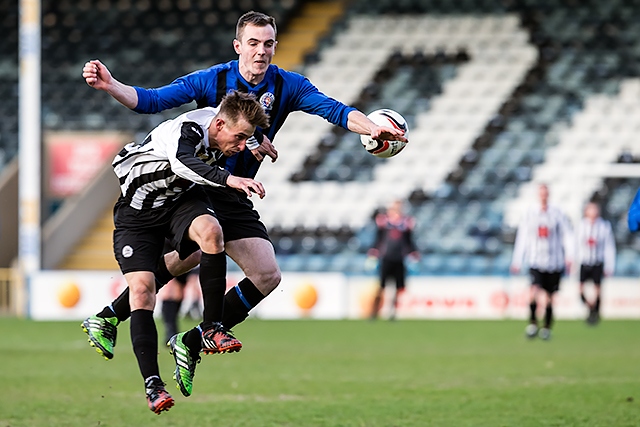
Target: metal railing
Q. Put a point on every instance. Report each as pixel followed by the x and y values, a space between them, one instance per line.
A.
pixel 8 284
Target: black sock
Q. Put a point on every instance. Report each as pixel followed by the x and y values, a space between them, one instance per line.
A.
pixel 548 316
pixel 239 301
pixel 192 339
pixel 582 298
pixel 107 312
pixel 533 306
pixel 120 306
pixel 213 272
pixel 144 338
pixel 596 307
pixel 170 310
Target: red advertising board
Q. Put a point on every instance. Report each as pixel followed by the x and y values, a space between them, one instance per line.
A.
pixel 74 158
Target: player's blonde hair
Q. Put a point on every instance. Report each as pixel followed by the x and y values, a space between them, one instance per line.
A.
pixel 238 104
pixel 254 18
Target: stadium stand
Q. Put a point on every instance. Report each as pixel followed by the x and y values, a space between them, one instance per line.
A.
pixel 440 134
pixel 574 167
pixel 586 52
pixel 147 43
pixel 8 80
pixel 498 95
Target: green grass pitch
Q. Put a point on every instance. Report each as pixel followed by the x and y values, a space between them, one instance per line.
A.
pixel 342 373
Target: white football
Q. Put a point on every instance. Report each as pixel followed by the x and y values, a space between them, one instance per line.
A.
pixel 388 118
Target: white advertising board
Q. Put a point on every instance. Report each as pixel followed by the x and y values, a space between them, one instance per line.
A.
pixel 489 298
pixel 74 295
pixel 311 295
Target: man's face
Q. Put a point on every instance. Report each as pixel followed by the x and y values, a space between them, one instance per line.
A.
pixel 592 211
pixel 256 48
pixel 231 138
pixel 543 193
pixel 395 208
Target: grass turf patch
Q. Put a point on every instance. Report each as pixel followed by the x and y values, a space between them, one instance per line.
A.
pixel 335 373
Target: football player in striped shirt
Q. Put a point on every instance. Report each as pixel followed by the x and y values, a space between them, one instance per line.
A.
pixel 161 199
pixel 544 241
pixel 596 253
pixel 280 92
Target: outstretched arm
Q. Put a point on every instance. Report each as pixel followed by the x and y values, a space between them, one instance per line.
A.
pixel 97 75
pixel 310 100
pixel 359 123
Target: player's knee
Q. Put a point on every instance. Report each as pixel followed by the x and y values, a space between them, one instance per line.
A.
pixel 211 240
pixel 142 296
pixel 269 280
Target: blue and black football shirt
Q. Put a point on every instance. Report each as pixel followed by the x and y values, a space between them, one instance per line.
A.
pixel 280 93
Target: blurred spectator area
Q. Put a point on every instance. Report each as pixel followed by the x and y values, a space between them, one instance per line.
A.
pixel 143 42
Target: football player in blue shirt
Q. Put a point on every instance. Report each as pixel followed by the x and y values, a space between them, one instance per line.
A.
pixel 246 240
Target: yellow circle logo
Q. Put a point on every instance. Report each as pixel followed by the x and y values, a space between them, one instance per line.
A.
pixel 305 296
pixel 69 295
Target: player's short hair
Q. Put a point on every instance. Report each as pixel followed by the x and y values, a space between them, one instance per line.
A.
pixel 254 18
pixel 238 104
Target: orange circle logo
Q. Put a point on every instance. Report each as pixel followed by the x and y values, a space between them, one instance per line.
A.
pixel 305 296
pixel 69 295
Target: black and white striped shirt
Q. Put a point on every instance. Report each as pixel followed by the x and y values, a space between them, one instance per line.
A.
pixel 543 240
pixel 596 244
pixel 173 157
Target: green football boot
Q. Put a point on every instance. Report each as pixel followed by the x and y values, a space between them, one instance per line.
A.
pixel 185 364
pixel 102 334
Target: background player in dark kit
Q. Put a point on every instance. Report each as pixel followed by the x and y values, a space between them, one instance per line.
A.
pixel 394 242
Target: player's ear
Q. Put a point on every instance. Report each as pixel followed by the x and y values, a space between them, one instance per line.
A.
pixel 219 123
pixel 236 46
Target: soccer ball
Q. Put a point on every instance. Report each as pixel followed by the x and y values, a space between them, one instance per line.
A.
pixel 389 118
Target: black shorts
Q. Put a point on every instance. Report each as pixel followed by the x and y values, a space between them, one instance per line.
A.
pixel 549 281
pixel 139 237
pixel 235 212
pixel 592 272
pixel 393 269
pixel 183 278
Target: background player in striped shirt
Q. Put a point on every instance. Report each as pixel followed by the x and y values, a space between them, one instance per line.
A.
pixel 596 253
pixel 280 92
pixel 161 199
pixel 393 244
pixel 544 242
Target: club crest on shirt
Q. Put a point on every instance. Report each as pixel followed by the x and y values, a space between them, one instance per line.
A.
pixel 543 232
pixel 266 100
